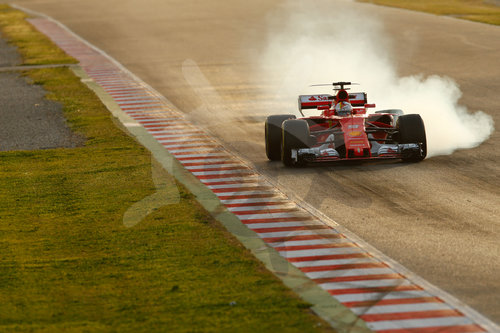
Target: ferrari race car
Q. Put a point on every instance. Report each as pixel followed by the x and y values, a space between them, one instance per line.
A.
pixel 344 131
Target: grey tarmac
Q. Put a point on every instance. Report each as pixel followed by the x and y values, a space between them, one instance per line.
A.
pixel 28 121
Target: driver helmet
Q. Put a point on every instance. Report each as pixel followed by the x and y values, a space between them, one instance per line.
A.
pixel 343 109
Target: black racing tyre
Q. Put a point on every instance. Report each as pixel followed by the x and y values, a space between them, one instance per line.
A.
pixel 392 111
pixel 295 135
pixel 411 129
pixel 273 135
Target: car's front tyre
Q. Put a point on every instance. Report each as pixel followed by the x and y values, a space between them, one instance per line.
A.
pixel 296 135
pixel 273 135
pixel 411 129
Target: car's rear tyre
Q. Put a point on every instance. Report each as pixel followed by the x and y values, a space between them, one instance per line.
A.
pixel 273 135
pixel 295 135
pixel 411 129
pixel 396 113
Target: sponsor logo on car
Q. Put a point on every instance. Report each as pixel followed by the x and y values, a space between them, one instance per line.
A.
pixel 354 134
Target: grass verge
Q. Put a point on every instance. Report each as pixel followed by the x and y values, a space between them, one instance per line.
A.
pixel 67 262
pixel 473 10
pixel 34 47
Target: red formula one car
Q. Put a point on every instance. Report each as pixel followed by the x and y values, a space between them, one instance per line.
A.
pixel 344 131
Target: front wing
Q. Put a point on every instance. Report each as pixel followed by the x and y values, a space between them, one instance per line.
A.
pixel 384 151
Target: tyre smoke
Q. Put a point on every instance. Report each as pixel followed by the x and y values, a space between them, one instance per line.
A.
pixel 307 45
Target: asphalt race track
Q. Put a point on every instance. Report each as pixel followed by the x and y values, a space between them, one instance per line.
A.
pixel 439 218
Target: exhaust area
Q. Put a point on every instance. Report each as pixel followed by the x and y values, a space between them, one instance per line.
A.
pixel 309 45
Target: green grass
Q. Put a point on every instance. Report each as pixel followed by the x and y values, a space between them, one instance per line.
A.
pixel 474 10
pixel 68 263
pixel 34 47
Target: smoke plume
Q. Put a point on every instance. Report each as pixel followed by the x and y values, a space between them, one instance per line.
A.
pixel 309 45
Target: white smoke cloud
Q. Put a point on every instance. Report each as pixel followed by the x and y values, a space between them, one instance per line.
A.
pixel 309 45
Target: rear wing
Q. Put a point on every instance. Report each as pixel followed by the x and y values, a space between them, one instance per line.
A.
pixel 314 101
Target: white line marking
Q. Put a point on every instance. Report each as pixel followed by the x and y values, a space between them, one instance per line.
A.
pixel 215 166
pixel 133 98
pixel 349 272
pixel 224 172
pixel 320 252
pixel 243 189
pixel 147 118
pixel 333 262
pixel 171 134
pixel 181 139
pixel 214 160
pixel 170 126
pixel 382 296
pixel 217 154
pixel 276 225
pixel 130 106
pixel 419 323
pixel 296 233
pixel 133 94
pixel 265 215
pixel 429 306
pixel 176 122
pixel 180 135
pixel 255 200
pixel 365 284
pixel 310 242
pixel 284 205
pixel 268 225
pixel 176 145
